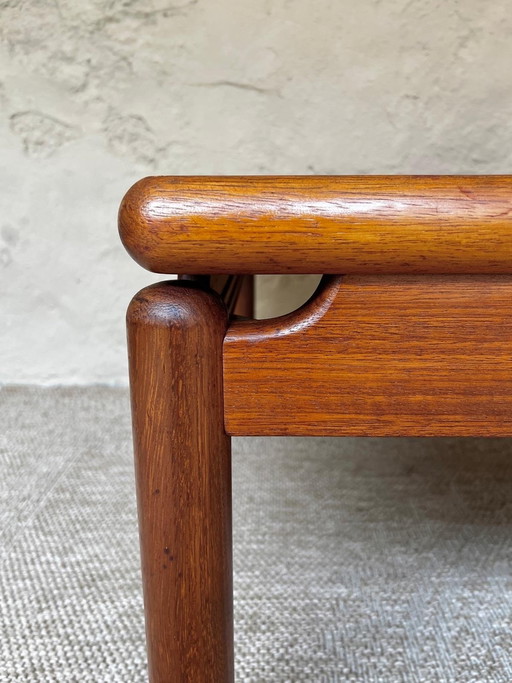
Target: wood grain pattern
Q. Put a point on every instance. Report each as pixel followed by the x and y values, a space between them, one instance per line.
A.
pixel 320 224
pixel 182 455
pixel 378 356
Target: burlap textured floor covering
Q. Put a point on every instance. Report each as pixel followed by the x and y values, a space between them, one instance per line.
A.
pixel 366 560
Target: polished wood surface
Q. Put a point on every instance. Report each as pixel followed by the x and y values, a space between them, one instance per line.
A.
pixel 377 356
pixel 414 339
pixel 182 455
pixel 320 224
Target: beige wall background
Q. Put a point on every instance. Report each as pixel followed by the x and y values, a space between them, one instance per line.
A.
pixel 97 93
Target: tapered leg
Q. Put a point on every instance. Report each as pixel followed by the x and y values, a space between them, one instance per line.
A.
pixel 183 471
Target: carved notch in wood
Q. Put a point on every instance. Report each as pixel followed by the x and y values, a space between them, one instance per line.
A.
pixel 418 355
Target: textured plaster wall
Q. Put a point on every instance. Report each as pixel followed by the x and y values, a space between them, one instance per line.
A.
pixel 97 93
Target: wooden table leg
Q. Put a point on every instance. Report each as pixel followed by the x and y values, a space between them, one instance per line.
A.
pixel 183 471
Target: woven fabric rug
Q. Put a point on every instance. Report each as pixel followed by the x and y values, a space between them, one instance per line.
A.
pixel 373 560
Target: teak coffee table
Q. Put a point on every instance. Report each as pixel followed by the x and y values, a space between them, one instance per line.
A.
pixel 408 334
